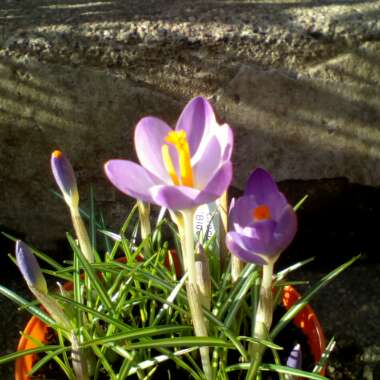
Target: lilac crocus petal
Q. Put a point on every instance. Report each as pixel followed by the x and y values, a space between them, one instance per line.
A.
pixel 286 227
pixel 263 240
pixel 259 239
pixel 175 197
pixel 223 134
pixel 196 120
pixel 150 135
pixel 131 179
pixel 29 267
pixel 236 247
pixel 295 358
pixel 262 186
pixel 226 139
pixel 217 185
pixel 262 222
pixel 241 213
pixel 182 197
pixel 65 177
pixel 208 162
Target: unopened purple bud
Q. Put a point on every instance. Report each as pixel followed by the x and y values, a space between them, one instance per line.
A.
pixel 295 358
pixel 65 177
pixel 30 268
pixel 262 222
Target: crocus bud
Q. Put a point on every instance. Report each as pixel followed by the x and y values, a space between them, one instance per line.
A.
pixel 33 276
pixel 262 223
pixel 30 268
pixel 65 178
pixel 294 361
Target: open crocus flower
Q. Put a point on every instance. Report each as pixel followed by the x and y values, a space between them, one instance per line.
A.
pixel 262 222
pixel 181 168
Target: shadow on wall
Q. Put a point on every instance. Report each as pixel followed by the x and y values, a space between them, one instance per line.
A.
pixel 302 128
pixel 86 113
pixel 297 126
pixel 72 12
pixel 337 222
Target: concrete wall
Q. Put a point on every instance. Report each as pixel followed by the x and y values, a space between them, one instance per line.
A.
pixel 298 82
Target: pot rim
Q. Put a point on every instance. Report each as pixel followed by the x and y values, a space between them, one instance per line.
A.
pixel 38 330
pixel 307 321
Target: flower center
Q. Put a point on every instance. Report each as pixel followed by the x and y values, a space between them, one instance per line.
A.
pixel 260 213
pixel 179 140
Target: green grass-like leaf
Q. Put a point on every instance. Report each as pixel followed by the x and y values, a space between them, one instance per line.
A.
pixel 19 354
pixel 325 356
pixel 94 312
pixel 39 254
pixel 93 276
pixel 300 202
pixel 160 359
pixel 189 341
pixel 280 369
pixel 53 355
pixel 300 304
pixel 28 306
pixel 138 333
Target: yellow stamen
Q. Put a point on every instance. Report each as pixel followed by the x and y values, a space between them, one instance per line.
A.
pixel 261 212
pixel 179 140
pixel 169 164
pixel 57 154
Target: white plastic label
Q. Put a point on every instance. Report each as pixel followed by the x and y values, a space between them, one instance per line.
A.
pixel 207 222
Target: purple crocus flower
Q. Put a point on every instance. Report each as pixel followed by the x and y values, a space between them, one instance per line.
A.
pixel 181 168
pixel 65 177
pixel 29 267
pixel 262 222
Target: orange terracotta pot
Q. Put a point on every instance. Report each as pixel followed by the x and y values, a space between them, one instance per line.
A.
pixel 306 320
pixel 38 330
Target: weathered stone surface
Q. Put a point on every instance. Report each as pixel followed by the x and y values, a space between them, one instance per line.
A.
pixel 297 81
pixel 306 127
pixel 84 112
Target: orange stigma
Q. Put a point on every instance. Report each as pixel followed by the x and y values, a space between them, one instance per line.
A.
pixel 261 212
pixel 57 154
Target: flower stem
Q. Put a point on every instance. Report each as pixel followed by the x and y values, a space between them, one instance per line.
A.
pixel 193 293
pixel 236 267
pixel 264 312
pixel 263 318
pixel 223 212
pixel 178 220
pixel 144 213
pixel 78 360
pixel 82 235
